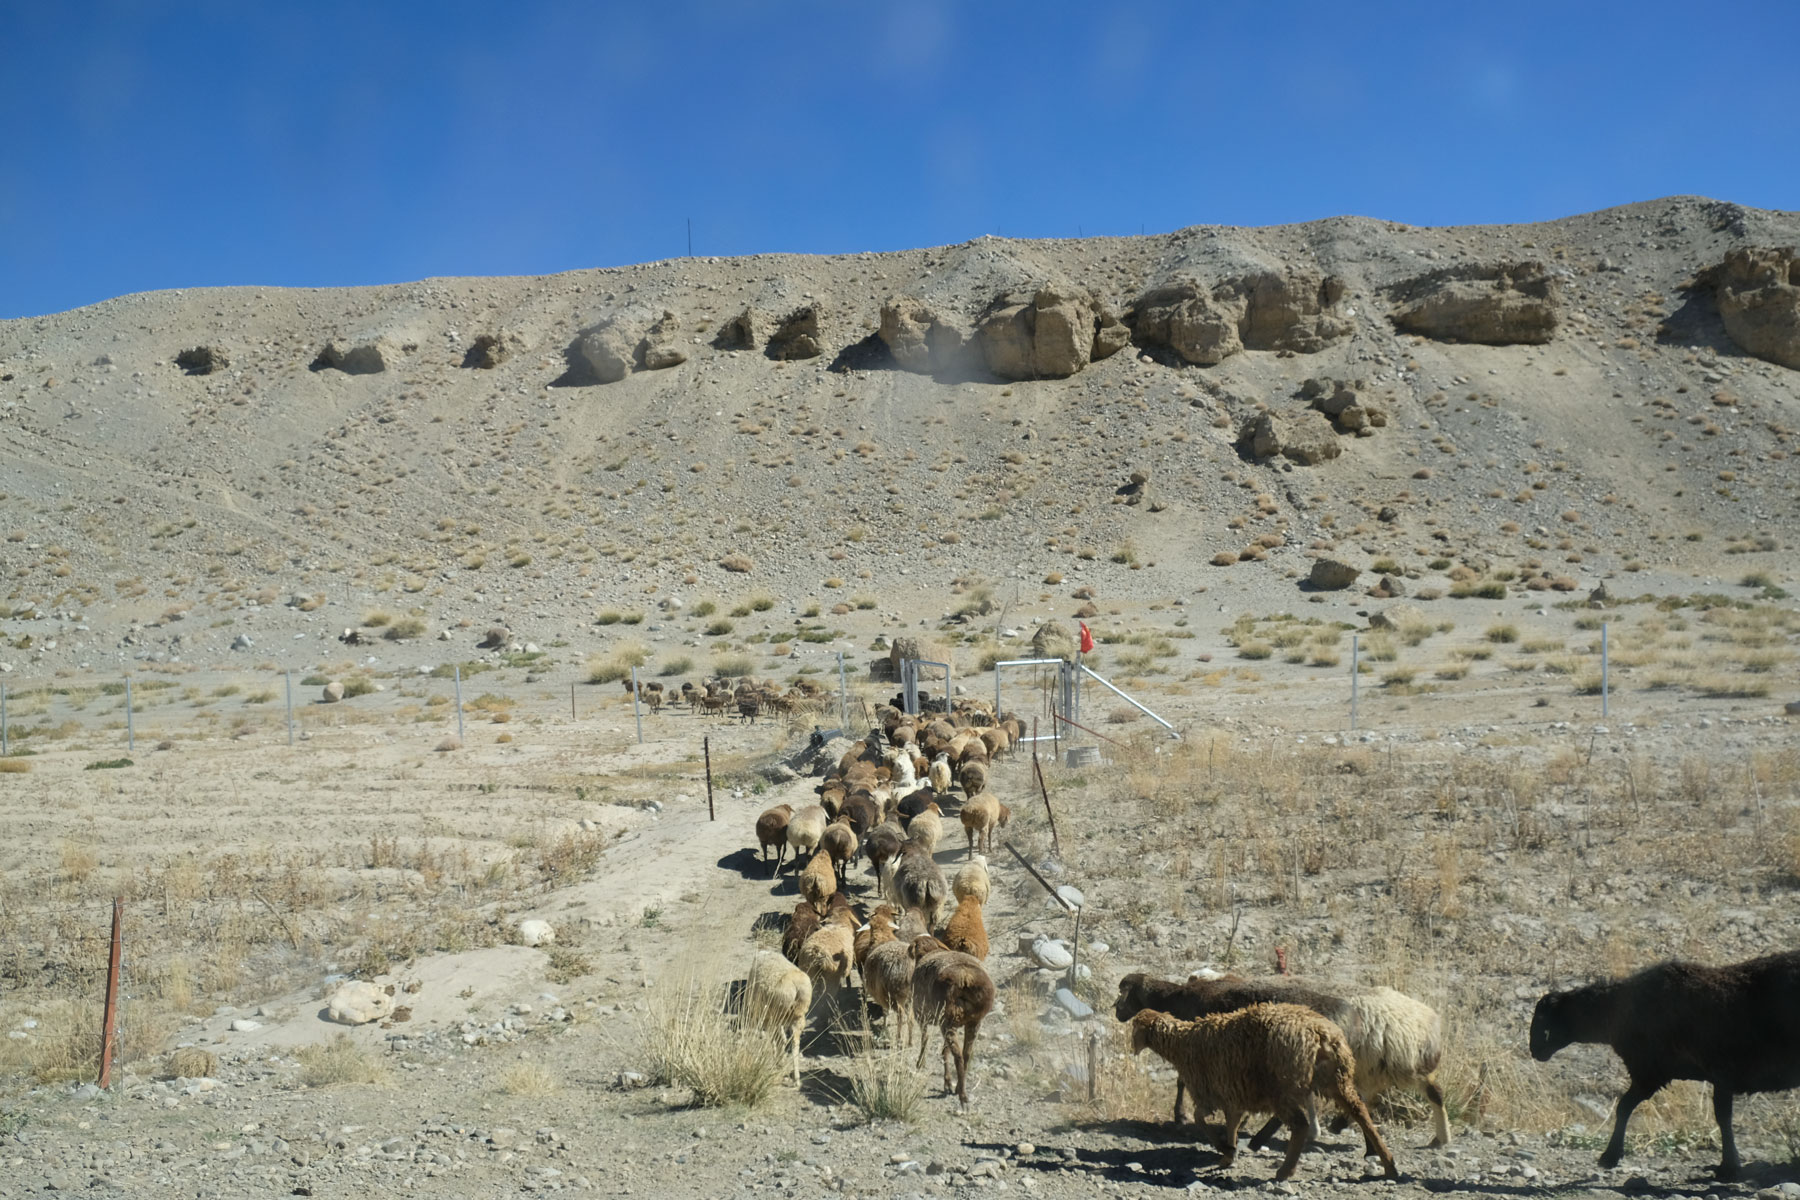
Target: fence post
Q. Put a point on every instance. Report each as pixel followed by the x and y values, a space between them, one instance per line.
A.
pixel 706 748
pixel 635 710
pixel 130 730
pixel 289 676
pixel 843 695
pixel 571 700
pixel 459 719
pixel 109 1019
pixel 1604 663
pixel 1355 667
pixel 3 747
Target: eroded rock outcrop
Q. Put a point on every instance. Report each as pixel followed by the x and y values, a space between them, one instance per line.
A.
pixel 627 342
pixel 1495 304
pixel 797 335
pixel 486 352
pixel 924 338
pixel 1306 438
pixel 1048 333
pixel 1342 401
pixel 203 360
pixel 1758 293
pixel 358 358
pixel 1298 311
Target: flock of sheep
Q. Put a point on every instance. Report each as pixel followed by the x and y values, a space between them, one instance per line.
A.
pixel 1238 1045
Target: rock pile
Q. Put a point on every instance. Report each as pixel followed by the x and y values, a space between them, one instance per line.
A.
pixel 1297 311
pixel 1344 404
pixel 1306 438
pixel 1048 333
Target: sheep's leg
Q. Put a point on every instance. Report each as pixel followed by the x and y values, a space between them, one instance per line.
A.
pixel 962 1062
pixel 949 1032
pixel 1729 1163
pixel 1633 1096
pixel 1262 1136
pixel 1352 1106
pixel 1228 1134
pixel 798 1025
pixel 1302 1129
pixel 1440 1121
pixel 1180 1091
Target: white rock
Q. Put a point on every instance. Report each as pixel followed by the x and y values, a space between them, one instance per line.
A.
pixel 536 933
pixel 245 1025
pixel 1071 896
pixel 357 1003
pixel 1051 953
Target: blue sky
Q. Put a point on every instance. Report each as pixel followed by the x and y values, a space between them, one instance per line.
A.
pixel 160 145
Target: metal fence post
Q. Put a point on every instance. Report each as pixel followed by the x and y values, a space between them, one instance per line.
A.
pixel 3 746
pixel 635 710
pixel 110 1015
pixel 289 676
pixel 130 731
pixel 1604 663
pixel 1355 668
pixel 843 695
pixel 459 715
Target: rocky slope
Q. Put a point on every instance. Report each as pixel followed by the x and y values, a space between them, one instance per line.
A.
pixel 1617 386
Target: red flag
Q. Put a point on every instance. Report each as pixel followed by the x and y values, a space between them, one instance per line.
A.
pixel 1087 638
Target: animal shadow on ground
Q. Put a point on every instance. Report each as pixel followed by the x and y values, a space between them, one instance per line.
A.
pixel 748 863
pixel 1171 1166
pixel 1179 1154
pixel 775 922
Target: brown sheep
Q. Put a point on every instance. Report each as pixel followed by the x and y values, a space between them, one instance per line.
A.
pixel 995 740
pixel 972 778
pixel 818 881
pixel 979 817
pixel 1265 1058
pixel 952 991
pixel 965 932
pixel 926 828
pixel 972 880
pixel 914 881
pixel 839 842
pixel 887 979
pixel 879 929
pixel 771 830
pixel 801 925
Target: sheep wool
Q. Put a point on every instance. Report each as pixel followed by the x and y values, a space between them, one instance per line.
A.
pixel 926 829
pixel 818 882
pixel 771 830
pixel 979 817
pixel 972 879
pixel 966 932
pixel 939 774
pixel 1265 1058
pixel 953 991
pixel 804 830
pixel 777 998
pixel 887 978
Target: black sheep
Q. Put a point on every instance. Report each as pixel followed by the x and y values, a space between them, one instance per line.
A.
pixel 1735 1027
pixel 1205 997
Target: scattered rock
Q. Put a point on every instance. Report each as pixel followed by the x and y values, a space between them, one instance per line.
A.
pixel 203 360
pixel 1330 574
pixel 494 638
pixel 1496 304
pixel 1307 438
pixel 1388 587
pixel 608 349
pixel 359 358
pixel 1758 294
pixel 1397 615
pixel 358 1003
pixel 534 932
pixel 334 691
pixel 1052 953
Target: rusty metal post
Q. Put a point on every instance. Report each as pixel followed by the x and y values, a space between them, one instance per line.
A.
pixel 1055 843
pixel 706 748
pixel 109 1020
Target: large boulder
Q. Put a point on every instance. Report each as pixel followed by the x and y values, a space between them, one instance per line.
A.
pixel 1496 304
pixel 1297 310
pixel 1396 616
pixel 1332 575
pixel 923 338
pixel 609 349
pixel 797 335
pixel 1048 333
pixel 486 352
pixel 1306 438
pixel 1758 293
pixel 356 358
pixel 203 360
pixel 658 350
pixel 746 331
pixel 357 1003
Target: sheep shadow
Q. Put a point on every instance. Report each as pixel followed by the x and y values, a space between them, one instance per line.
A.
pixel 1171 1166
pixel 748 863
pixel 1180 1153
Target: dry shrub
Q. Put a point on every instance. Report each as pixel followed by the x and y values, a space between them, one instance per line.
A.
pixel 691 1041
pixel 739 563
pixel 190 1062
pixel 65 1046
pixel 14 766
pixel 339 1061
pixel 884 1081
pixel 530 1079
pixel 616 664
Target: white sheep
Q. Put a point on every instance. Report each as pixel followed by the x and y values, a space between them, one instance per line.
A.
pixel 972 880
pixel 804 830
pixel 777 999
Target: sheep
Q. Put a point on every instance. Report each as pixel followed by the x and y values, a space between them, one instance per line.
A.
pixel 1398 1042
pixel 939 773
pixel 1264 1058
pixel 913 926
pixel 839 842
pixel 1736 1027
pixel 979 816
pixel 887 980
pixel 829 952
pixel 953 991
pixel 778 997
pixel 801 925
pixel 972 778
pixel 965 932
pixel 883 845
pixel 804 830
pixel 996 742
pixel 880 928
pixel 972 880
pixel 771 830
pixel 912 804
pixel 864 815
pixel 916 882
pixel 819 880
pixel 925 829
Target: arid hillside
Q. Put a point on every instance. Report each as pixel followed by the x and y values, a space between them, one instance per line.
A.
pixel 1600 395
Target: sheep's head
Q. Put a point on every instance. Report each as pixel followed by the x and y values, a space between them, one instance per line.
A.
pixel 1141 1025
pixel 1130 1001
pixel 925 945
pixel 1550 1030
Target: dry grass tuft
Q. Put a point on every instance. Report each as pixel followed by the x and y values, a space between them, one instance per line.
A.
pixel 339 1061
pixel 691 1041
pixel 530 1079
